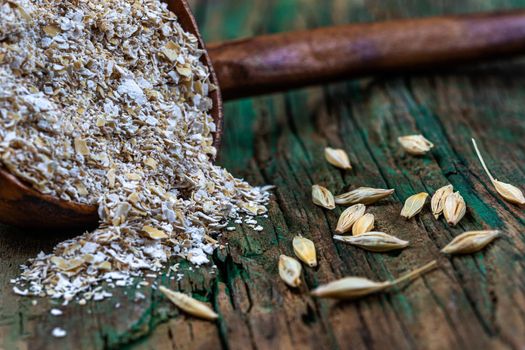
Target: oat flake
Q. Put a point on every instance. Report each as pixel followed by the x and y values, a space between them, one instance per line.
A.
pixel 92 110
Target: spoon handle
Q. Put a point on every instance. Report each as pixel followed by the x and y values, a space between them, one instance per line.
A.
pixel 270 63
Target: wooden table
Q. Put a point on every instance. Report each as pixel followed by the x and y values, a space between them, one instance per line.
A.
pixel 471 302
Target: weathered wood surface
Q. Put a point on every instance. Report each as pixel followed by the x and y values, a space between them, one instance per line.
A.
pixel 471 302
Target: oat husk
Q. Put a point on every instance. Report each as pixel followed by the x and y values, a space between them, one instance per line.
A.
pixel 509 192
pixel 438 200
pixel 356 287
pixel 364 224
pixel 454 208
pixel 413 205
pixel 189 305
pixel 363 195
pixel 290 271
pixel 416 145
pixel 338 158
pixel 322 197
pixel 470 242
pixel 374 241
pixel 304 249
pixel 349 216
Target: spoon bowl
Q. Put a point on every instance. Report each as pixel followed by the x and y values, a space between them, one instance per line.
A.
pixel 23 206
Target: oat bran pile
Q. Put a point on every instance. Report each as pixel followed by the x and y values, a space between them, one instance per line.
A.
pixel 106 103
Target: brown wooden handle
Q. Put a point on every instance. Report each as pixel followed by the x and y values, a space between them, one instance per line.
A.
pixel 278 62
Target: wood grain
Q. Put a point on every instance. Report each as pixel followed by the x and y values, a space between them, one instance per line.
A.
pixel 472 302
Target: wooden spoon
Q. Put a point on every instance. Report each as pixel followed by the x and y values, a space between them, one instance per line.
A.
pixel 282 61
pixel 23 206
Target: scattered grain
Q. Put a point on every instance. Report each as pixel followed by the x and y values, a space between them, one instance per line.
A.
pixel 454 208
pixel 349 288
pixel 304 249
pixel 438 200
pixel 364 224
pixel 290 271
pixel 189 305
pixel 349 216
pixel 338 158
pixel 470 242
pixel 413 205
pixel 364 195
pixel 356 287
pixel 322 197
pixel 415 144
pixel 374 241
pixel 509 192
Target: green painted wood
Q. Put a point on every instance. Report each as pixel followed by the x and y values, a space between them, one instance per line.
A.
pixel 475 301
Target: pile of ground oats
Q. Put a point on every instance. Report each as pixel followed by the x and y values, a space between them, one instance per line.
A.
pixel 106 102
